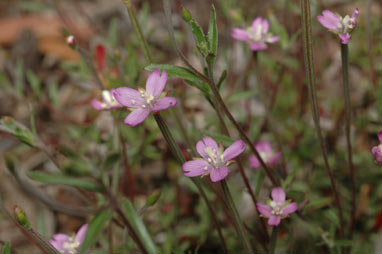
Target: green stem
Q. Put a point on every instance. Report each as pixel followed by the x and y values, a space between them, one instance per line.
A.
pixel 138 30
pixel 272 247
pixel 308 57
pixel 345 75
pixel 243 234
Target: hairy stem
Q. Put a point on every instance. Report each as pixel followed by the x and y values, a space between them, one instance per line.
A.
pixel 308 57
pixel 273 243
pixel 345 75
pixel 236 217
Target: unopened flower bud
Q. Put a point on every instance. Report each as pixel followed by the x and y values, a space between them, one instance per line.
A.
pixel 21 217
pixel 186 15
pixel 71 41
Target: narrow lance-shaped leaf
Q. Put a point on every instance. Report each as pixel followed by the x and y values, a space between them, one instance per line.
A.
pixel 140 227
pixel 213 35
pixel 94 229
pixel 65 180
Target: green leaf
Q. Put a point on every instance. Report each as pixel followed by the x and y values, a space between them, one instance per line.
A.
pixel 221 79
pixel 213 33
pixel 19 131
pixel 139 227
pixel 200 38
pixel 7 248
pixel 34 82
pixel 182 72
pixel 319 202
pixel 65 180
pixel 95 227
pixel 242 95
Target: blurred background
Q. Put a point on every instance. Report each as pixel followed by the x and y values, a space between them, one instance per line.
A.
pixel 48 86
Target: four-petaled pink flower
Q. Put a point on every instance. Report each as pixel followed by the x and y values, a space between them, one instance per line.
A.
pixel 339 25
pixel 377 150
pixel 142 101
pixel 266 152
pixel 69 244
pixel 108 101
pixel 214 160
pixel 257 35
pixel 277 208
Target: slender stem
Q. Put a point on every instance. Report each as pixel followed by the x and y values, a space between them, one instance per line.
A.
pixel 239 163
pixel 138 30
pixel 273 243
pixel 345 75
pixel 308 55
pixel 89 62
pixel 174 148
pixel 236 217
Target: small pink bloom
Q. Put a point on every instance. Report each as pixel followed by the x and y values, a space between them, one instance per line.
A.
pixel 267 154
pixel 377 150
pixel 256 35
pixel 142 101
pixel 108 102
pixel 214 161
pixel 339 25
pixel 69 244
pixel 277 208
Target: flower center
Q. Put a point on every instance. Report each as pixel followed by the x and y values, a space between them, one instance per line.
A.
pixel 70 247
pixel 347 23
pixel 277 208
pixel 257 34
pixel 265 156
pixel 148 98
pixel 214 159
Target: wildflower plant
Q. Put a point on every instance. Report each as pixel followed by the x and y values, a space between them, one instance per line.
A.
pixel 158 188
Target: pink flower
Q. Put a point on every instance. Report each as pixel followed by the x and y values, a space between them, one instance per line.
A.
pixel 257 35
pixel 339 25
pixel 108 102
pixel 377 150
pixel 266 152
pixel 277 208
pixel 214 161
pixel 69 244
pixel 142 101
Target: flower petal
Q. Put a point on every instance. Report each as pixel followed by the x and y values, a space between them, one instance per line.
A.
pixel 234 150
pixel 254 162
pixel 377 153
pixel 256 46
pixel 137 116
pixel 219 174
pixel 240 34
pixel 380 136
pixel 278 195
pixel 274 158
pixel 256 24
pixel 208 141
pixel 59 240
pixel 128 97
pixel 80 236
pixel 273 39
pixel 265 26
pixel 345 38
pixel 265 210
pixel 196 168
pixel 274 220
pixel 291 208
pixel 330 21
pixel 155 82
pixel 96 104
pixel 355 13
pixel 264 147
pixel 200 147
pixel 164 103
